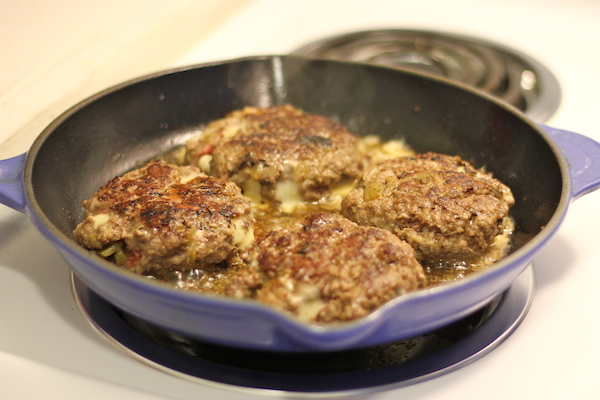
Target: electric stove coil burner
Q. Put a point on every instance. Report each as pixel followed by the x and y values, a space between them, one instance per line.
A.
pixel 355 371
pixel 509 75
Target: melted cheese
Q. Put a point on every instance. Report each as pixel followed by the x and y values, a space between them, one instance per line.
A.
pixel 243 235
pixel 251 189
pixel 230 131
pixel 188 177
pixel 310 302
pixel 378 151
pixel 204 163
pixel 333 201
pixel 288 195
pixel 100 219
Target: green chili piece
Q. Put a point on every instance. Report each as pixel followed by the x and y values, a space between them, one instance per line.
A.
pixel 115 250
pixel 109 250
pixel 120 257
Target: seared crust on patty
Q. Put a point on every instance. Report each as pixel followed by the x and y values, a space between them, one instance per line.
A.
pixel 327 268
pixel 277 144
pixel 441 205
pixel 343 224
pixel 167 217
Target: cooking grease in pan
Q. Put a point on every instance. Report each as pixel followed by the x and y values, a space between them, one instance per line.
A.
pixel 280 197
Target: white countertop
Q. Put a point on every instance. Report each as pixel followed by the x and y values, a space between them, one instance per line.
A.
pixel 54 54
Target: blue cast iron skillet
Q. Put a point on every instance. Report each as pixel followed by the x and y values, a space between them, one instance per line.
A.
pixel 123 127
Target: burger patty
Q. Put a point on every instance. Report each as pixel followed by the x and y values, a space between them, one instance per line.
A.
pixel 326 268
pixel 324 250
pixel 277 153
pixel 163 216
pixel 441 205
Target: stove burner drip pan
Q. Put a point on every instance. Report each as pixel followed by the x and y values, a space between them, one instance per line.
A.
pixel 342 372
pixel 507 74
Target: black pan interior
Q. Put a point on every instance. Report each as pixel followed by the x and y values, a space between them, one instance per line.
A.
pixel 130 124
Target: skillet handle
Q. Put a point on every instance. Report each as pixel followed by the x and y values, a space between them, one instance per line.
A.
pixel 583 156
pixel 12 193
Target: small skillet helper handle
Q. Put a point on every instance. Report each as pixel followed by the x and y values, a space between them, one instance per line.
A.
pixel 583 156
pixel 12 192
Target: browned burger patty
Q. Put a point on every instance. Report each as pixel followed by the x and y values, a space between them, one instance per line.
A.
pixel 441 205
pixel 327 268
pixel 279 152
pixel 163 216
